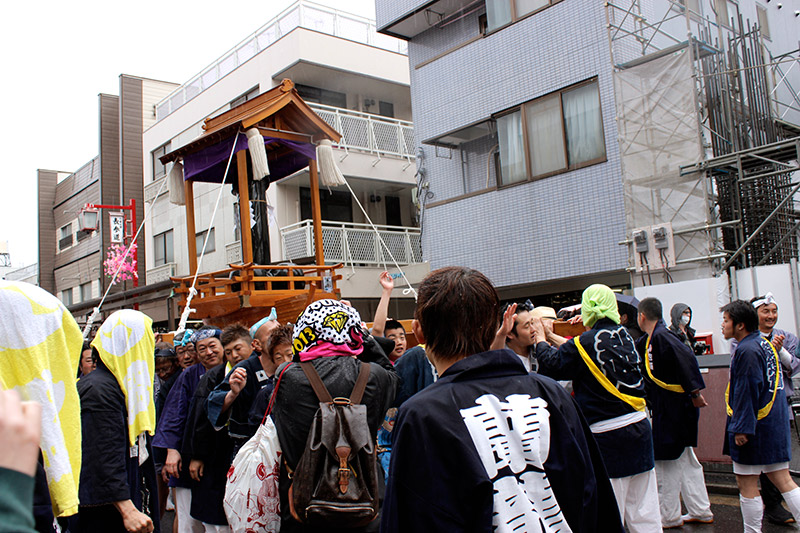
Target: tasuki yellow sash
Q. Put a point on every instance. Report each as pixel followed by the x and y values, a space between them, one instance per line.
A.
pixel 667 386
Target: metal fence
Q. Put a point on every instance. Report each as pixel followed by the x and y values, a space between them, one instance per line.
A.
pixel 301 14
pixel 370 133
pixel 354 244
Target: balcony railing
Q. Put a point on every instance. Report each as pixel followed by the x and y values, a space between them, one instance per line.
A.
pixel 233 252
pixel 354 244
pixel 161 273
pixel 301 14
pixel 374 134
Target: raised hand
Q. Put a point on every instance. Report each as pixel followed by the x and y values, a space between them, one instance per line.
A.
pixel 386 281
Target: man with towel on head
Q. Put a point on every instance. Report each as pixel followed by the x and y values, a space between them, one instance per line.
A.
pixel 330 336
pixel 608 385
pixel 41 346
pixel 229 403
pixel 118 479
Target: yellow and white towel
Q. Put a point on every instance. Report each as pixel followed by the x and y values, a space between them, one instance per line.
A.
pixel 40 346
pixel 125 343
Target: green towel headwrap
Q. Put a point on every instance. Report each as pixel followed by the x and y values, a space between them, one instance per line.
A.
pixel 598 302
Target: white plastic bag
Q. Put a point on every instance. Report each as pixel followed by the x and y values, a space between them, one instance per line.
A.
pixel 252 503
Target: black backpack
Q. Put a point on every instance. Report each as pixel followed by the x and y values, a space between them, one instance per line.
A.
pixel 335 483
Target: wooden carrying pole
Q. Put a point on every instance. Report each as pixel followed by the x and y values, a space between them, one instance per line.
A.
pixel 316 213
pixel 190 231
pixel 244 207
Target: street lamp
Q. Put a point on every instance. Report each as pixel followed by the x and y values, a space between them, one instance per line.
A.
pixel 88 219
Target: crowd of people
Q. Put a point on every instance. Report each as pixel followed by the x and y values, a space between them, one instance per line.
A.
pixel 491 422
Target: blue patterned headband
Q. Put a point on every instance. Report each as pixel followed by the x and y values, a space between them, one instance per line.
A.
pixel 184 339
pixel 203 334
pixel 273 315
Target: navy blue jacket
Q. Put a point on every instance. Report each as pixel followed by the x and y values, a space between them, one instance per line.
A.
pixel 453 470
pixel 674 417
pixel 754 376
pixel 628 450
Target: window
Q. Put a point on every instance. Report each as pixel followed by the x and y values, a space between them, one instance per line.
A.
pixel 66 297
pixel 162 244
pixel 725 9
pixel 159 169
pixel 763 22
pixel 502 12
pixel 691 5
pixel 249 95
pixel 65 237
pixel 336 206
pixel 201 237
pixel 555 133
pixel 86 291
pixel 321 96
pixel 386 109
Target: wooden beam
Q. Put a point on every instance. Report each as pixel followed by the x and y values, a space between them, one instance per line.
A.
pixel 188 188
pixel 244 208
pixel 288 135
pixel 316 213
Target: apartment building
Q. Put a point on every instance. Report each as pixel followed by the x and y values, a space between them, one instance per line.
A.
pixel 70 259
pixel 358 81
pixel 531 153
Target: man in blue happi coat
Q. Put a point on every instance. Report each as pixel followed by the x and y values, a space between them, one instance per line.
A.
pixel 673 393
pixel 757 436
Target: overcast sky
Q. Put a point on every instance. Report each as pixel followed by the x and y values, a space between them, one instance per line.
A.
pixel 58 56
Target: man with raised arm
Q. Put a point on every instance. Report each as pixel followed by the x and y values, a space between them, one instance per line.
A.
pixel 609 387
pixel 489 446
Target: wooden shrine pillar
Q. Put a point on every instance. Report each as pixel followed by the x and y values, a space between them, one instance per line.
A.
pixel 244 208
pixel 188 188
pixel 316 213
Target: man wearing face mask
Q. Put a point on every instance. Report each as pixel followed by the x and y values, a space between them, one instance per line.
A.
pixel 681 317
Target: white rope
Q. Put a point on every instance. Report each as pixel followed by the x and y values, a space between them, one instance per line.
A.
pixel 187 310
pixel 410 289
pixel 96 310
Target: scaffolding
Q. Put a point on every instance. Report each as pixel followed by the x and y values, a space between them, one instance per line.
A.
pixel 705 118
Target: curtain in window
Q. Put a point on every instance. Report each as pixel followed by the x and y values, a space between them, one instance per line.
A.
pixel 526 6
pixel 584 124
pixel 512 150
pixel 498 13
pixel 546 136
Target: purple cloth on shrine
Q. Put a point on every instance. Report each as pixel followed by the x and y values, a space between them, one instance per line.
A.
pixel 209 163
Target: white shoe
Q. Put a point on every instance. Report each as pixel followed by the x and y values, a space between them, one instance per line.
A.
pixel 691 519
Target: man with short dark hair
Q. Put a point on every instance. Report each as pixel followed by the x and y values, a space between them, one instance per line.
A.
pixel 230 402
pixel 757 435
pixel 520 339
pixel 674 399
pixel 489 446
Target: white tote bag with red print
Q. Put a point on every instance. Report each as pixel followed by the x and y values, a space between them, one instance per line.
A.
pixel 252 503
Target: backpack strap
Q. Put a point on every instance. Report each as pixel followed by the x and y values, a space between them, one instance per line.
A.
pixel 316 382
pixel 361 384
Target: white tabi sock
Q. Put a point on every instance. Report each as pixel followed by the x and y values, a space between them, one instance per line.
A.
pixel 752 513
pixel 792 499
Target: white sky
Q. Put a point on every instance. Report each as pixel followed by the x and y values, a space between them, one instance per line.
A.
pixel 58 56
